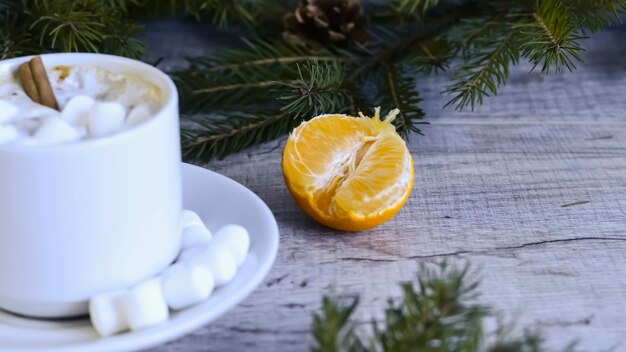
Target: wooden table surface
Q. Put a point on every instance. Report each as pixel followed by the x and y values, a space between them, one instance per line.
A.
pixel 490 187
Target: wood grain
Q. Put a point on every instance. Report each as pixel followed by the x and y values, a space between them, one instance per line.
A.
pixel 530 188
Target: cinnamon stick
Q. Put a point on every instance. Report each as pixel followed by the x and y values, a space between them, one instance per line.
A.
pixel 28 83
pixel 46 95
pixel 36 83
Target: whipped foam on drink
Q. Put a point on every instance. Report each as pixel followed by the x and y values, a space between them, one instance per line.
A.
pixel 94 102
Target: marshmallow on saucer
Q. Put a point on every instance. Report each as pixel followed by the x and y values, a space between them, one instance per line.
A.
pixel 8 134
pixel 187 253
pixel 106 313
pixel 195 236
pixel 144 305
pixel 7 111
pixel 190 218
pixel 194 232
pixel 216 258
pixel 54 130
pixel 106 118
pixel 138 114
pixel 236 239
pixel 185 285
pixel 76 111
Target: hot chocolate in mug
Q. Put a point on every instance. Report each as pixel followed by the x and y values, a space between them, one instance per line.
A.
pixel 91 215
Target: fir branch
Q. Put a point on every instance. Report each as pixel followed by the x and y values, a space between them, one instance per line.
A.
pixel 121 5
pixel 260 53
pixel 397 89
pixel 434 314
pixel 231 79
pixel 67 28
pixel 551 40
pixel 597 14
pixel 399 12
pixel 483 73
pixel 393 45
pixel 239 86
pixel 82 25
pixel 431 56
pixel 413 6
pixel 278 60
pixel 122 40
pixel 332 328
pixel 222 12
pixel 266 86
pixel 472 33
pixel 318 88
pixel 217 137
pixel 434 310
pixel 14 40
pixel 13 44
pixel 251 13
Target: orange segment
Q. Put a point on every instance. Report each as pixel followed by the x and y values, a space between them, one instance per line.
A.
pixel 348 173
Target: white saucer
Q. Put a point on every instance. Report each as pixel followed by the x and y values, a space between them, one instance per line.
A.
pixel 219 200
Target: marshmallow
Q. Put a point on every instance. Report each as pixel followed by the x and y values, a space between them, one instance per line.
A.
pixel 54 130
pixel 144 305
pixel 8 88
pixel 82 131
pixel 106 313
pixel 106 118
pixel 188 253
pixel 189 218
pixel 7 111
pixel 218 259
pixel 138 114
pixel 185 285
pixel 76 111
pixel 195 236
pixel 38 111
pixel 8 134
pixel 236 239
pixel 27 126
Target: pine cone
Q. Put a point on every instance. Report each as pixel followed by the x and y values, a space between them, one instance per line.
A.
pixel 339 22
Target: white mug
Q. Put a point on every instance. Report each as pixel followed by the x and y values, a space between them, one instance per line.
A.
pixel 90 216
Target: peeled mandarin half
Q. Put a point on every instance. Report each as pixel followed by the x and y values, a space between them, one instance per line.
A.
pixel 348 173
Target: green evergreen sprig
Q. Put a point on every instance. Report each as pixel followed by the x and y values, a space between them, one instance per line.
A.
pixel 251 13
pixel 437 312
pixel 283 100
pixel 485 70
pixel 40 26
pixel 595 15
pixel 232 99
pixel 551 40
pixel 414 6
pixel 398 88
